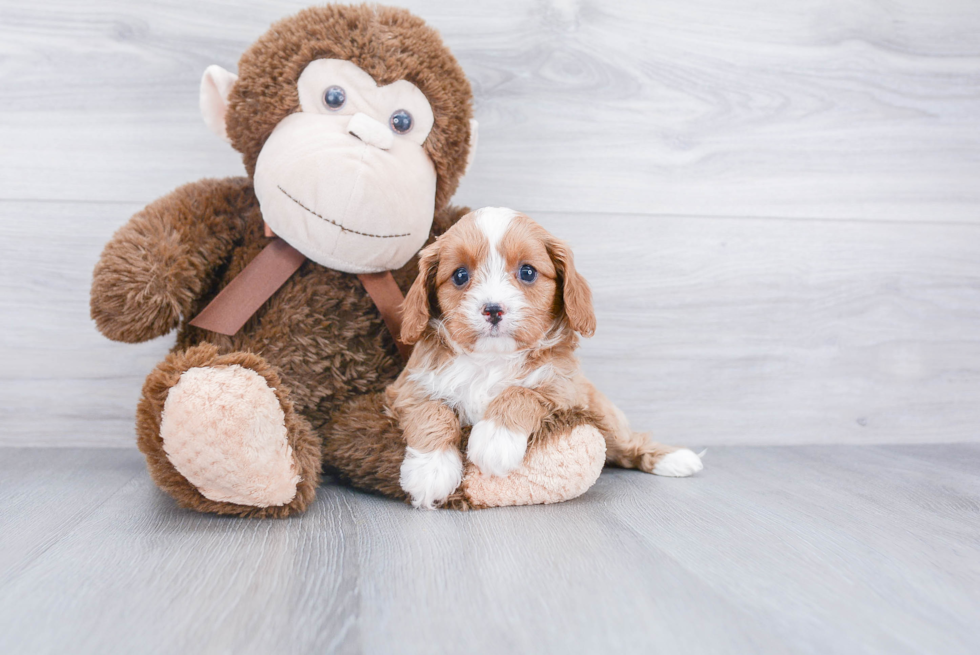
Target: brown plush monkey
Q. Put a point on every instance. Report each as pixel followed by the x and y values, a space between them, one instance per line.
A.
pixel 355 127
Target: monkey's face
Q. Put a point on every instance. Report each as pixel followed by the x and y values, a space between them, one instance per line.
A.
pixel 345 180
pixel 355 124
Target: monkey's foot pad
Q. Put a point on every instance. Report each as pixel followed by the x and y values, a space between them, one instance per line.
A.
pixel 224 430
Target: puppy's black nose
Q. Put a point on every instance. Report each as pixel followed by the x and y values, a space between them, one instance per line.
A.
pixel 493 313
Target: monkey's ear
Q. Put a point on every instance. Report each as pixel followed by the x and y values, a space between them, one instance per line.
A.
pixel 215 86
pixel 474 130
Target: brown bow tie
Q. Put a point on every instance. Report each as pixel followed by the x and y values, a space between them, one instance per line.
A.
pixel 270 269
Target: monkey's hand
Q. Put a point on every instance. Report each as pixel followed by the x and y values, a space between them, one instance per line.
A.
pixel 158 264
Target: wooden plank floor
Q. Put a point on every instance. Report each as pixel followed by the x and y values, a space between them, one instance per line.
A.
pixel 807 549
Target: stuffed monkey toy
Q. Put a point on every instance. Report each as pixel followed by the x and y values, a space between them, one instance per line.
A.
pixel 355 127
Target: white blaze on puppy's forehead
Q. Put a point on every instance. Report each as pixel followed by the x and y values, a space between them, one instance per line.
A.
pixel 493 284
pixel 493 222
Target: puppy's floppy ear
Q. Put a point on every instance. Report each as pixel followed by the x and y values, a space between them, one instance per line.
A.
pixel 417 308
pixel 575 293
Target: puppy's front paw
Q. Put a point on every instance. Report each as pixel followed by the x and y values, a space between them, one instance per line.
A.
pixel 678 464
pixel 495 449
pixel 429 477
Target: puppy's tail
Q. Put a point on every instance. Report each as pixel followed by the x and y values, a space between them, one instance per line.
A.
pixel 364 446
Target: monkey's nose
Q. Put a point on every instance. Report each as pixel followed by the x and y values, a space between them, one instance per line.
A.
pixel 493 313
pixel 370 131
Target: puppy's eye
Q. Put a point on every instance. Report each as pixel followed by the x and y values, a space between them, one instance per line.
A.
pixel 401 121
pixel 461 276
pixel 334 97
pixel 527 274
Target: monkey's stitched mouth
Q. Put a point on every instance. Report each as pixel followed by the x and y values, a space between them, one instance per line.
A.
pixel 343 229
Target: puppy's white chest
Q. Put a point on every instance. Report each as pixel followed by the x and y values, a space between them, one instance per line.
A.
pixel 469 384
pixel 486 383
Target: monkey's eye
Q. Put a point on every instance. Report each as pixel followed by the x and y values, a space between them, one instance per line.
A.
pixel 527 274
pixel 334 97
pixel 401 121
pixel 461 276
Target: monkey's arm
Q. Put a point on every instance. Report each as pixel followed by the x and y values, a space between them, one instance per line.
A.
pixel 158 263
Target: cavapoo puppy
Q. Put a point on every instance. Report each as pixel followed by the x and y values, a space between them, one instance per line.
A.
pixel 495 316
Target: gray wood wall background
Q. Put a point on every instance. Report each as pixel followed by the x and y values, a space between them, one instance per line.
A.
pixel 777 204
